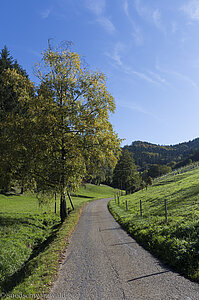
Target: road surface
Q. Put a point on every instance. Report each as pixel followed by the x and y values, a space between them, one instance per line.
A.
pixel 102 262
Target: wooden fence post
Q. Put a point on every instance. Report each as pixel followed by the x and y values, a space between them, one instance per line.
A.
pixel 141 208
pixel 118 199
pixel 165 202
pixel 126 205
pixel 55 202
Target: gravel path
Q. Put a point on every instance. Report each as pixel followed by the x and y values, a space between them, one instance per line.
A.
pixel 103 262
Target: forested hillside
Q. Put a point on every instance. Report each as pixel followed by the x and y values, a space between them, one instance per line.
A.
pixel 146 154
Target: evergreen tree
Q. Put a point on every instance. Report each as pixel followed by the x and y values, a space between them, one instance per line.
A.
pixel 125 175
pixel 15 88
pixel 8 62
pixel 8 98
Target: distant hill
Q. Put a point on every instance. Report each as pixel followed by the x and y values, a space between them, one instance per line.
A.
pixel 146 154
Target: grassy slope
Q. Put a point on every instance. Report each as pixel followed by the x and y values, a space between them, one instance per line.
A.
pixel 175 241
pixel 32 239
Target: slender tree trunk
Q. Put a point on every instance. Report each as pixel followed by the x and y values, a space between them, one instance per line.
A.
pixel 63 211
pixel 22 190
pixel 70 200
pixel 63 208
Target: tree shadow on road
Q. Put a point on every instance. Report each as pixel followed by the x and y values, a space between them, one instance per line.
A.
pixel 145 276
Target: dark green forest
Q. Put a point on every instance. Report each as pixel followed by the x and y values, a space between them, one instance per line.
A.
pixel 146 154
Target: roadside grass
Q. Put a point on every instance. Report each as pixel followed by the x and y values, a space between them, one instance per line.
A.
pixel 32 240
pixel 176 241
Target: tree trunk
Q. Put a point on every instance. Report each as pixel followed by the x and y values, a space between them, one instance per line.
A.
pixel 22 186
pixel 70 200
pixel 63 211
pixel 22 189
pixel 63 208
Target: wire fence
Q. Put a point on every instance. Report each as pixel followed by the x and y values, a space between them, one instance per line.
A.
pixel 160 207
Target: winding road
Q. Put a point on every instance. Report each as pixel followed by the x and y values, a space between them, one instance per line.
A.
pixel 103 262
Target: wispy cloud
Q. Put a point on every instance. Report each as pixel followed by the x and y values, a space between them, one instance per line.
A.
pixel 174 27
pixel 152 15
pixel 184 78
pixel 177 75
pixel 45 14
pixel 158 77
pixel 156 16
pixel 136 31
pixel 130 71
pixel 97 7
pixel 141 9
pixel 137 35
pixel 116 55
pixel 36 53
pixel 191 9
pixel 138 108
pixel 126 7
pixel 106 24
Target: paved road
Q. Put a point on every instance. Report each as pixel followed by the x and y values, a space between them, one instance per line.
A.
pixel 104 262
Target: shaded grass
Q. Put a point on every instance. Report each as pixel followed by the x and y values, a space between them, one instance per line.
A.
pixel 176 241
pixel 32 240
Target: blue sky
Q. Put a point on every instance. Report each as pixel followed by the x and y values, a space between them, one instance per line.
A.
pixel 148 49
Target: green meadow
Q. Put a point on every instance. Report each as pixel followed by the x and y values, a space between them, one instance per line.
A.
pixel 176 239
pixel 32 239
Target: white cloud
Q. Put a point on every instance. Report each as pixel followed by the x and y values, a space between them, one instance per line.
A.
pixel 97 7
pixel 135 107
pixel 191 9
pixel 156 16
pixel 106 24
pixel 184 78
pixel 137 35
pixel 177 75
pixel 151 15
pixel 141 9
pixel 158 77
pixel 45 14
pixel 174 27
pixel 136 31
pixel 37 54
pixel 140 75
pixel 126 7
pixel 116 56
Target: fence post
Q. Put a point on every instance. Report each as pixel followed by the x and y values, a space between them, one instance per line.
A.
pixel 55 202
pixel 141 208
pixel 126 205
pixel 165 202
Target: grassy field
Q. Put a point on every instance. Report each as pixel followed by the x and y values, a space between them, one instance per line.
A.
pixel 176 241
pixel 32 240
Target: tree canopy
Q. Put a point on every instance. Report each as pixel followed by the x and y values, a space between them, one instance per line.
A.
pixel 15 90
pixel 60 132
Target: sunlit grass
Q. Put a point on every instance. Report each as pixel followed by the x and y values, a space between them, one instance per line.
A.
pixel 177 240
pixel 32 238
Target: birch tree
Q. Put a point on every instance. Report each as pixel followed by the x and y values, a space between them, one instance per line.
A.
pixel 71 114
